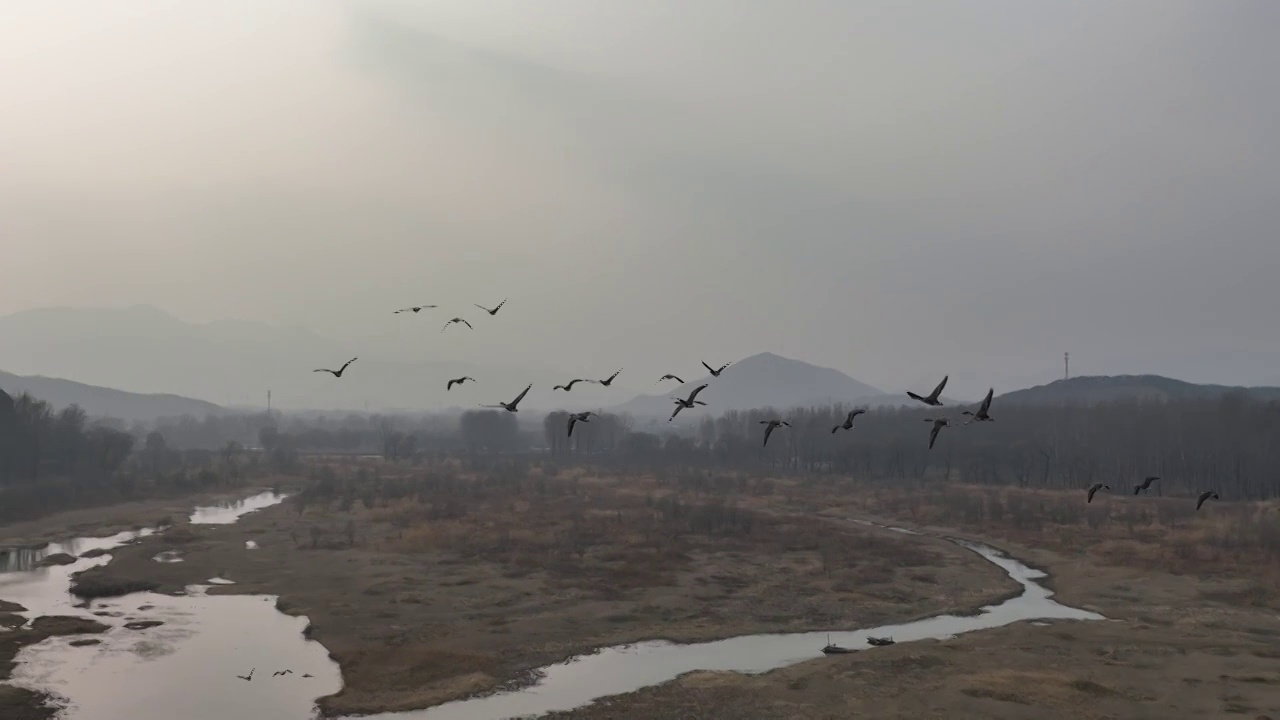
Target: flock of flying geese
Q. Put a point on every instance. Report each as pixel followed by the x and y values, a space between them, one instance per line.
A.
pixel 689 403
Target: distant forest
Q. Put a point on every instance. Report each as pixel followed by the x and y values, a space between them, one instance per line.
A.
pixel 57 460
pixel 51 460
pixel 1230 443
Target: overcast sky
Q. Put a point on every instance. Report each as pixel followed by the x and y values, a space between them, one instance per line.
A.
pixel 895 189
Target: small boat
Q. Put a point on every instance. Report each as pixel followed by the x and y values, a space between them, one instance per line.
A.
pixel 880 642
pixel 834 649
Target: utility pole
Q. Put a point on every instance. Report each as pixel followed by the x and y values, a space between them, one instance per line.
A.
pixel 268 403
pixel 1066 365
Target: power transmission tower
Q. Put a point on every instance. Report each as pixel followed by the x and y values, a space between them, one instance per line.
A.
pixel 1066 365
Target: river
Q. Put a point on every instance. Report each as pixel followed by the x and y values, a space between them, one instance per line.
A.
pixel 187 667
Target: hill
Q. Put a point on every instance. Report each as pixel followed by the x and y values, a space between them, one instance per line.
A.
pixel 1090 390
pixel 764 380
pixel 105 402
pixel 143 349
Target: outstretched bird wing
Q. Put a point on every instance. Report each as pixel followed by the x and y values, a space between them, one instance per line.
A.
pixel 938 390
pixel 767 432
pixel 986 402
pixel 344 366
pixel 933 434
pixel 521 396
pixel 573 419
pixel 1093 489
pixel 695 392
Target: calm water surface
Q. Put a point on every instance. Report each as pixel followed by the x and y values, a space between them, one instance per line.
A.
pixel 184 669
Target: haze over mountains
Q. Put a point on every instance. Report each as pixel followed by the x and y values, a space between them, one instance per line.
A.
pixel 106 402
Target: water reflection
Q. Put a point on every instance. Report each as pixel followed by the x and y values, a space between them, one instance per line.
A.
pixel 233 510
pixel 617 670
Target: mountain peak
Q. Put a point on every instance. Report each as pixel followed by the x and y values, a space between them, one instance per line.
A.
pixel 763 380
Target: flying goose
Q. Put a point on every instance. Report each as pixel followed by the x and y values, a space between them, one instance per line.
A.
pixel 932 399
pixel 1146 484
pixel 669 376
pixel 848 421
pixel 609 380
pixel 1095 488
pixel 281 672
pixel 511 406
pixel 687 403
pixel 415 309
pixel 337 373
pixel 981 415
pixel 938 424
pixel 458 381
pixel 1207 494
pixel 494 311
pixel 307 675
pixel 249 677
pixel 715 372
pixel 770 425
pixel 568 386
pixel 575 418
pixel 456 320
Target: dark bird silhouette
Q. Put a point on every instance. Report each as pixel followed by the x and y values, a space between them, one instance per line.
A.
pixel 415 309
pixel 511 406
pixel 848 421
pixel 281 672
pixel 458 381
pixel 938 424
pixel 715 372
pixel 575 418
pixel 1207 494
pixel 1145 484
pixel 248 677
pixel 609 380
pixel 494 311
pixel 337 373
pixel 981 415
pixel 456 320
pixel 770 425
pixel 687 403
pixel 568 386
pixel 307 675
pixel 932 399
pixel 1095 488
pixel 669 376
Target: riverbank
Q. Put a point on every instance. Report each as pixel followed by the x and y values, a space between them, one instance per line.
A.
pixel 1176 643
pixel 420 609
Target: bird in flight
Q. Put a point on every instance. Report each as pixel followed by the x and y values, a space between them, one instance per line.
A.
pixel 848 421
pixel 458 381
pixel 981 415
pixel 1207 494
pixel 669 376
pixel 770 425
pixel 938 424
pixel 337 373
pixel 687 403
pixel 248 677
pixel 281 672
pixel 456 320
pixel 932 399
pixel 1095 488
pixel 715 372
pixel 415 309
pixel 512 406
pixel 576 418
pixel 1146 484
pixel 569 385
pixel 609 380
pixel 494 311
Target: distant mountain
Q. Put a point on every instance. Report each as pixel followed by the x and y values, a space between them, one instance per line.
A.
pixel 764 380
pixel 1090 390
pixel 234 363
pixel 105 402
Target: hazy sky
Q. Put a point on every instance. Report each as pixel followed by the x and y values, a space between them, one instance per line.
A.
pixel 895 189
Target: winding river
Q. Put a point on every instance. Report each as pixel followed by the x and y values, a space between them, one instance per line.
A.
pixel 187 666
